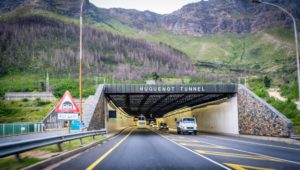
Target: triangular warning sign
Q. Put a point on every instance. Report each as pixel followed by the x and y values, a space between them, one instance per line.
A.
pixel 67 104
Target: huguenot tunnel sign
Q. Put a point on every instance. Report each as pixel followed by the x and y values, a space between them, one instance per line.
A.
pixel 162 88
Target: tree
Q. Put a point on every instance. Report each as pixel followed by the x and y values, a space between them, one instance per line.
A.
pixel 155 76
pixel 267 82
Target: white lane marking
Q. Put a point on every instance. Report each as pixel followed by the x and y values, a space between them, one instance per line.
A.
pixel 254 143
pixel 194 152
pixel 284 160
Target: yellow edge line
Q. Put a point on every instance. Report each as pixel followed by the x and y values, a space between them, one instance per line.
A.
pixel 93 165
pixel 245 156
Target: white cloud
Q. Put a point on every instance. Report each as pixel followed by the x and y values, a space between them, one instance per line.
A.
pixel 158 6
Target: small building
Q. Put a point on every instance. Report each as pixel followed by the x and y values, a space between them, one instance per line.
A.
pixel 29 95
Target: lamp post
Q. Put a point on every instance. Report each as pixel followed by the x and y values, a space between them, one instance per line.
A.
pixel 295 34
pixel 80 60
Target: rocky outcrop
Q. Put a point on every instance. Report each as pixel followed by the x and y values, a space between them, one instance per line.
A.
pixel 228 16
pixel 201 18
pixel 146 20
pixel 256 117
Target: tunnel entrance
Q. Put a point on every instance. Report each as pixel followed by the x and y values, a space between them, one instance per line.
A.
pixel 157 100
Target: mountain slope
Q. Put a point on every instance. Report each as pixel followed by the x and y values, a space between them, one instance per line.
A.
pixel 40 42
pixel 201 18
pixel 220 36
pixel 228 16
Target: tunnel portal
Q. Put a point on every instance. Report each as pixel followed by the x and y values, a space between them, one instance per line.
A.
pixel 157 100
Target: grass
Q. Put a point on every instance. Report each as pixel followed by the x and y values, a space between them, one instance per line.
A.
pixel 67 146
pixel 24 110
pixel 11 163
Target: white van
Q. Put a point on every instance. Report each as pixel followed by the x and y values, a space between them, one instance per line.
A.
pixel 141 122
pixel 187 125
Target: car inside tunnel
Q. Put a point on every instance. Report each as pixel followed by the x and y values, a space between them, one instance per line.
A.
pixel 157 100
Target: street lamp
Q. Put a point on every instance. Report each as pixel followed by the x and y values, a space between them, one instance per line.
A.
pixel 295 33
pixel 80 60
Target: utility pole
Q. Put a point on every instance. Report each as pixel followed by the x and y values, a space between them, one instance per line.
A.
pixel 47 82
pixel 80 60
pixel 96 81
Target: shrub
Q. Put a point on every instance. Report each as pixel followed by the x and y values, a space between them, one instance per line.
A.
pixel 289 90
pixel 267 81
pixel 288 108
pixel 25 100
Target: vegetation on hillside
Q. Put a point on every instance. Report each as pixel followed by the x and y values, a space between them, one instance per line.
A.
pixel 288 107
pixel 24 110
pixel 39 43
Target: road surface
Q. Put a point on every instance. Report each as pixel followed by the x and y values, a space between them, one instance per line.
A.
pixel 147 149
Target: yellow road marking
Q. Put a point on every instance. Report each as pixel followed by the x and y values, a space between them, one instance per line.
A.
pixel 254 143
pixel 245 156
pixel 245 167
pixel 93 165
pixel 204 146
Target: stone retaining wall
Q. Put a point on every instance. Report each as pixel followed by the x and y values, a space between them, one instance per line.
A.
pixel 97 117
pixel 256 117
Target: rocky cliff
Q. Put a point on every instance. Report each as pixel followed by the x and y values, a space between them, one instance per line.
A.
pixel 204 17
pixel 228 16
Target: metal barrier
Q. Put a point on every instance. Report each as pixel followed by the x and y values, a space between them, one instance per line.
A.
pixel 12 129
pixel 12 148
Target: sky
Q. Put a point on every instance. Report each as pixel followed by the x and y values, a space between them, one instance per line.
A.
pixel 157 6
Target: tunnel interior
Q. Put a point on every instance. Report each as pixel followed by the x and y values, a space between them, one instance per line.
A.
pixel 157 100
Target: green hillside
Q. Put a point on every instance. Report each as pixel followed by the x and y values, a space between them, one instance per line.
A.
pixel 261 49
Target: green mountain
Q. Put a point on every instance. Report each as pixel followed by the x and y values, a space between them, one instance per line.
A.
pixel 228 37
pixel 208 41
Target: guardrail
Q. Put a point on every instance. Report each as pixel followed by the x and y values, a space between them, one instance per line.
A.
pixel 16 148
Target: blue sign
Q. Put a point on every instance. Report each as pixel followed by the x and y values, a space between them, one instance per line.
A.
pixel 75 125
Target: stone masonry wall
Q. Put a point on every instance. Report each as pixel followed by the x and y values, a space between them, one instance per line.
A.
pixel 256 117
pixel 98 117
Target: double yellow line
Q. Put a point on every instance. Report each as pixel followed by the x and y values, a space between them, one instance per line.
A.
pixel 93 165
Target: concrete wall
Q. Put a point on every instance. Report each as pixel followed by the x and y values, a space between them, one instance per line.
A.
pixel 29 95
pixel 217 117
pixel 122 121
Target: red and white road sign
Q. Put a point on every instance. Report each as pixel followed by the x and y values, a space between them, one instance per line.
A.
pixel 67 104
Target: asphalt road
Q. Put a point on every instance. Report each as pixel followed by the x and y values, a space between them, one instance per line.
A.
pixel 146 149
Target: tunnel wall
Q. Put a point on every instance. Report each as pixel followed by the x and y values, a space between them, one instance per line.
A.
pixel 121 121
pixel 217 117
pixel 256 117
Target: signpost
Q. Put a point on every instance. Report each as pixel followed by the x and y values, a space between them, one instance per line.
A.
pixel 67 109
